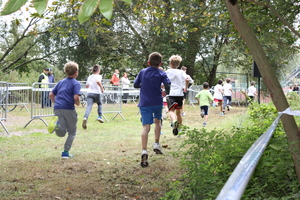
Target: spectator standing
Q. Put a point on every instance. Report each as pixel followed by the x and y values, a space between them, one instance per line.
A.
pixel 51 77
pixel 44 83
pixel 125 86
pixel 204 98
pixel 218 96
pixel 95 90
pixel 185 94
pixel 149 81
pixel 115 81
pixel 64 95
pixel 227 94
pixel 175 98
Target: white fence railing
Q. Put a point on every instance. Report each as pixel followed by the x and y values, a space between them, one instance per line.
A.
pixel 238 181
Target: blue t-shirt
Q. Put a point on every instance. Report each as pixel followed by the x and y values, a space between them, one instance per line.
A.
pixel 64 93
pixel 150 79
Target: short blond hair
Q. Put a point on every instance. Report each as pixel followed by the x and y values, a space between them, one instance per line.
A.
pixel 71 68
pixel 175 60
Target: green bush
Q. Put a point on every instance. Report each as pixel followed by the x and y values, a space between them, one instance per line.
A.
pixel 211 157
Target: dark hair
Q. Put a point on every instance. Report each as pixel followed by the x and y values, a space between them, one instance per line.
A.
pixel 220 81
pixel 205 85
pixel 252 83
pixel 96 68
pixel 155 59
pixel 46 69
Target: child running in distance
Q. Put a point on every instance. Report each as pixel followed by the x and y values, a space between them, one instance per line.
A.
pixel 204 98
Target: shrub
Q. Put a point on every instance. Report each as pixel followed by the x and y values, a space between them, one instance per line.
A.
pixel 211 157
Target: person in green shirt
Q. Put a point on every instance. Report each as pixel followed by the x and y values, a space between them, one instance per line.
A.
pixel 204 98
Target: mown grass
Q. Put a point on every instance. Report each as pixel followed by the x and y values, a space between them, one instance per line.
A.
pixel 107 157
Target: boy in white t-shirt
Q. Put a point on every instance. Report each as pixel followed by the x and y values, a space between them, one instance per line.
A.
pixel 252 91
pixel 218 95
pixel 95 89
pixel 175 98
pixel 227 94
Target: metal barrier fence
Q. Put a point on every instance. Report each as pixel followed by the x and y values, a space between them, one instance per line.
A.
pixel 11 96
pixel 3 103
pixel 238 181
pixel 41 105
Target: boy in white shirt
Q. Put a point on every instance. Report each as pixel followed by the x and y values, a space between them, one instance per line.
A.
pixel 95 89
pixel 227 94
pixel 252 91
pixel 218 95
pixel 175 98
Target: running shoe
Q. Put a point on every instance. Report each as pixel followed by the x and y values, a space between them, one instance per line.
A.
pixel 157 149
pixel 175 128
pixel 144 159
pixel 202 113
pixel 99 119
pixel 53 125
pixel 66 155
pixel 84 123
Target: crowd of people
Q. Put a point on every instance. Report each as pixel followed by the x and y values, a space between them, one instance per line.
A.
pixel 161 91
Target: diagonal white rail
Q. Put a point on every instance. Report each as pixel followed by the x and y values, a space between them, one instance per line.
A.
pixel 238 181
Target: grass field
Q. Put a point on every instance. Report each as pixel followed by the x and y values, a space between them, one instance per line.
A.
pixel 107 157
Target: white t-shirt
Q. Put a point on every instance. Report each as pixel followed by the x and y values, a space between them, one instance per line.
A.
pixel 177 77
pixel 251 90
pixel 92 82
pixel 125 82
pixel 217 93
pixel 227 89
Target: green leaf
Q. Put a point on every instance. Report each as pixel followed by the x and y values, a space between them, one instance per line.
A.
pixel 87 9
pixel 127 1
pixel 106 8
pixel 12 6
pixel 40 5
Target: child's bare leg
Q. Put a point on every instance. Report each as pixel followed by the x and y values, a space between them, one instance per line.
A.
pixel 145 131
pixel 157 129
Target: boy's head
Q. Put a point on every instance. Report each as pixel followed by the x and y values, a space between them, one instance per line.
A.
pixel 228 80
pixel 71 68
pixel 96 68
pixel 252 83
pixel 175 61
pixel 154 59
pixel 220 81
pixel 205 85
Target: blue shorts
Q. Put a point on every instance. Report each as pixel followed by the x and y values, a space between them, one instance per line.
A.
pixel 150 112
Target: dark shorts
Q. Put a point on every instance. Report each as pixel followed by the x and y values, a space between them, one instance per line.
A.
pixel 205 109
pixel 174 100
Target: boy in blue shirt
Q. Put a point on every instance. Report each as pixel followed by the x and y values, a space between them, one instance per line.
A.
pixel 64 95
pixel 151 101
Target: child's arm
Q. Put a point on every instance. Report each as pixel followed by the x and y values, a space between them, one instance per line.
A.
pixel 101 86
pixel 77 99
pixel 52 97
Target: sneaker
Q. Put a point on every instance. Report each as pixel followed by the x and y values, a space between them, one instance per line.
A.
pixel 84 123
pixel 53 125
pixel 222 113
pixel 175 128
pixel 214 104
pixel 99 119
pixel 202 113
pixel 174 105
pixel 157 148
pixel 228 107
pixel 183 114
pixel 66 155
pixel 144 159
pixel 204 123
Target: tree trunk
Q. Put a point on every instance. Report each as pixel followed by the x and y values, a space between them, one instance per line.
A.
pixel 270 80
